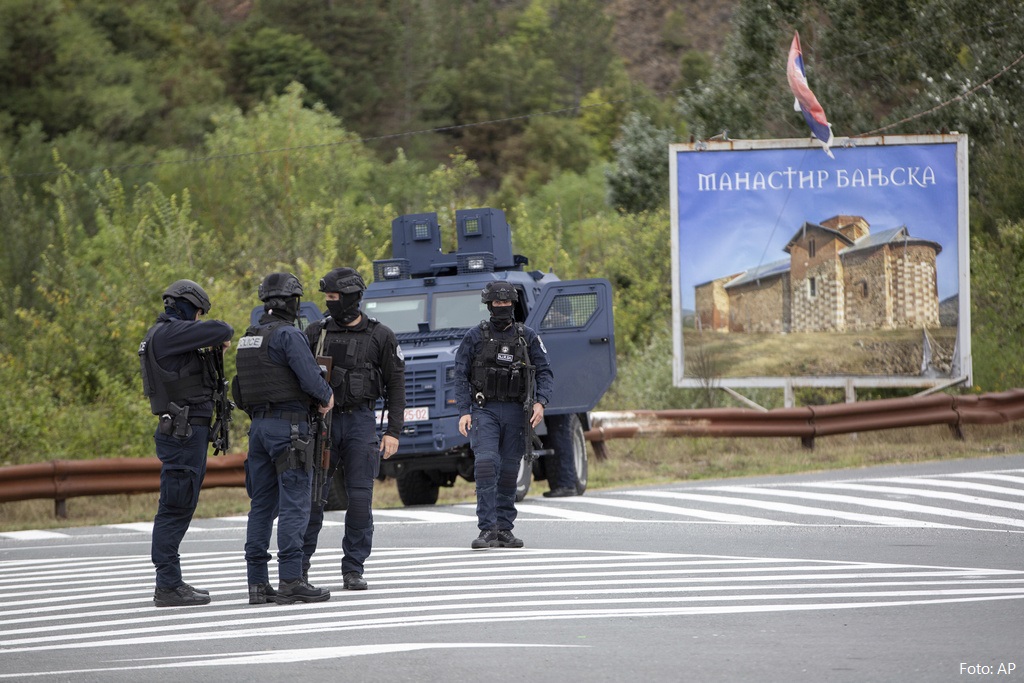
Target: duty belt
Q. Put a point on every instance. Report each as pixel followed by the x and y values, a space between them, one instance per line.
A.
pixel 199 421
pixel 289 415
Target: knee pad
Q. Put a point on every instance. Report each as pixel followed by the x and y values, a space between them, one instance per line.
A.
pixel 484 468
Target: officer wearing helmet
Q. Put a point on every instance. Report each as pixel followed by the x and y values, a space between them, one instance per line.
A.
pixel 278 382
pixel 367 364
pixel 179 380
pixel 491 384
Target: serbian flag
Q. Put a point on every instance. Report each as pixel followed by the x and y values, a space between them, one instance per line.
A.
pixel 806 102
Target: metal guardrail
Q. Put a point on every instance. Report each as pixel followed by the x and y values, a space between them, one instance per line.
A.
pixel 63 479
pixel 809 422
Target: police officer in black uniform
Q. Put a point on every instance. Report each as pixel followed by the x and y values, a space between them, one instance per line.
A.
pixel 179 378
pixel 367 363
pixel 492 368
pixel 278 382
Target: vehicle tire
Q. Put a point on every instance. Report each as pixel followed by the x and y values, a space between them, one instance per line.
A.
pixel 417 488
pixel 523 480
pixel 337 496
pixel 579 452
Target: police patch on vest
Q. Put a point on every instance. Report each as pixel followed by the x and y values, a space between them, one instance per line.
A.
pixel 253 342
pixel 505 354
pixel 398 352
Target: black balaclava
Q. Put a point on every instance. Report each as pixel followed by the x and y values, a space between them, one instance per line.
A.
pixel 346 308
pixel 501 316
pixel 183 308
pixel 286 309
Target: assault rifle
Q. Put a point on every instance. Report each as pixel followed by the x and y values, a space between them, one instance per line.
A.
pixel 322 442
pixel 533 442
pixel 220 430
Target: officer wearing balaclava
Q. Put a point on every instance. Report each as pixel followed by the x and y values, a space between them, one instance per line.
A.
pixel 277 384
pixel 367 364
pixel 491 389
pixel 180 383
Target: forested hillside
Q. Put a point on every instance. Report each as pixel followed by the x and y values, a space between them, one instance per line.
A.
pixel 142 141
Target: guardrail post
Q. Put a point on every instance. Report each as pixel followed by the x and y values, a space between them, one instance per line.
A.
pixel 60 508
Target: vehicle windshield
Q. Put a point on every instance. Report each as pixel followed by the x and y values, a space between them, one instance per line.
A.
pixel 458 309
pixel 400 313
pixel 450 310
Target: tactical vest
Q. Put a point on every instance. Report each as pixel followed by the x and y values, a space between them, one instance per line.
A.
pixel 193 383
pixel 260 380
pixel 356 381
pixel 500 370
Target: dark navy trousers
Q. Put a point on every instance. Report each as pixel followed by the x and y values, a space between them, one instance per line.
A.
pixel 498 439
pixel 286 496
pixel 356 449
pixel 561 469
pixel 183 466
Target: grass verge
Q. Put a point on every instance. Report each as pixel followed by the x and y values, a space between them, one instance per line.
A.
pixel 631 462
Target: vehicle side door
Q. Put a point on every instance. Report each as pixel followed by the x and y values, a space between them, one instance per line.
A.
pixel 575 323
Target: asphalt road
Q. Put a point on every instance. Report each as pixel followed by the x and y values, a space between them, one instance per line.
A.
pixel 912 573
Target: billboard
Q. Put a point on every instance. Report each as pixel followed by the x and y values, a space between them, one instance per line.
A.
pixel 790 268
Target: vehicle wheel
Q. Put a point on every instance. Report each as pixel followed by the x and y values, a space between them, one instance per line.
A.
pixel 523 480
pixel 337 496
pixel 417 488
pixel 579 453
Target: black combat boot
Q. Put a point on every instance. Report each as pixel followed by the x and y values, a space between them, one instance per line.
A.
pixel 289 592
pixel 182 596
pixel 487 539
pixel 507 540
pixel 261 594
pixel 354 581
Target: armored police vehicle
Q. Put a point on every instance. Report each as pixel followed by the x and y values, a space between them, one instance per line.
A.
pixel 430 299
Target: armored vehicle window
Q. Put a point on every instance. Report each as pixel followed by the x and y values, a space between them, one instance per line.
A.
pixel 400 313
pixel 458 309
pixel 570 310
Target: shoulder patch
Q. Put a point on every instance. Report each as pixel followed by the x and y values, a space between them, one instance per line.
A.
pixel 398 352
pixel 541 342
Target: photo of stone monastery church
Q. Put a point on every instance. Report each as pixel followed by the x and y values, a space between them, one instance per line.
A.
pixel 837 277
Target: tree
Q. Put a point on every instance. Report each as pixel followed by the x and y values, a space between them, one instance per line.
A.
pixel 639 180
pixel 267 62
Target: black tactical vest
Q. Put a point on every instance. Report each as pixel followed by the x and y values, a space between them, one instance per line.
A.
pixel 260 381
pixel 356 381
pixel 194 383
pixel 500 370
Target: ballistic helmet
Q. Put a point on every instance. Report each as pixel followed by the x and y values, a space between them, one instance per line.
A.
pixel 342 281
pixel 499 290
pixel 279 286
pixel 189 291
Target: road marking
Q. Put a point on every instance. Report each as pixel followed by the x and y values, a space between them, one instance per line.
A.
pixel 876 503
pixel 792 508
pixel 33 535
pixel 965 485
pixel 422 516
pixel 425 587
pixel 919 493
pixel 681 511
pixel 571 515
pixel 143 527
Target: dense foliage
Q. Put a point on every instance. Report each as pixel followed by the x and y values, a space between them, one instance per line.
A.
pixel 142 142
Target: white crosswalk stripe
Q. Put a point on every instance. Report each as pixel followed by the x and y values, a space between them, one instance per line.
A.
pixel 971 500
pixel 106 602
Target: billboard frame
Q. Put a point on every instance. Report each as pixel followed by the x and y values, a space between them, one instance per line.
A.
pixel 962 352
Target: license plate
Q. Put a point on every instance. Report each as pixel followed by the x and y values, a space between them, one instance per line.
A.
pixel 411 414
